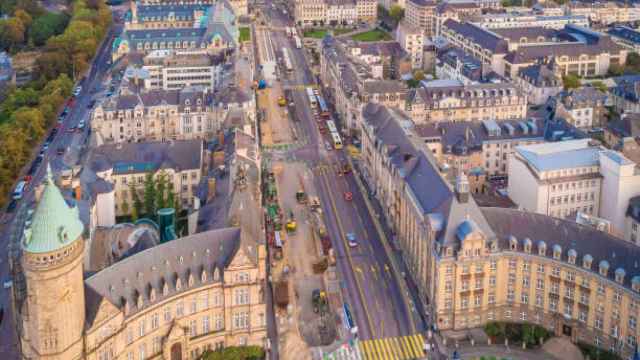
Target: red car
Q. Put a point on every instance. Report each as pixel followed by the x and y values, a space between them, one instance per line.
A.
pixel 348 196
pixel 27 178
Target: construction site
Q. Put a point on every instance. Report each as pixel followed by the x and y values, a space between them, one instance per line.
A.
pixel 307 293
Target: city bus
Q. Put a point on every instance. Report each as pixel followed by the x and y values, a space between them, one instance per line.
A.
pixel 337 142
pixel 19 190
pixel 311 96
pixel 287 60
pixel 324 110
pixel 332 126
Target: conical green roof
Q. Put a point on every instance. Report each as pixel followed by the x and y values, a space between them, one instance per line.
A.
pixel 55 224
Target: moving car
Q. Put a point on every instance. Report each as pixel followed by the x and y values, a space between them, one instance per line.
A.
pixel 12 206
pixel 351 239
pixel 348 196
pixel 60 151
pixel 328 146
pixel 77 90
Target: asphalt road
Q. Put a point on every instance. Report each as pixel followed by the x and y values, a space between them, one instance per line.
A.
pixel 370 290
pixel 75 143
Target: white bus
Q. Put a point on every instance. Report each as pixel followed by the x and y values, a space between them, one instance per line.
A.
pixel 337 142
pixel 312 97
pixel 19 191
pixel 287 60
pixel 332 126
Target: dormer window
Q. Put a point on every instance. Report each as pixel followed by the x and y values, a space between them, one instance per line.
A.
pixel 449 251
pixel 571 256
pixel 542 248
pixel 152 294
pixel 587 260
pixel 620 273
pixel 513 243
pixel 203 276
pixel 494 246
pixel 635 283
pixel 190 281
pixel 527 245
pixel 178 284
pixel 216 274
pixel 557 252
pixel 603 268
pixel 139 301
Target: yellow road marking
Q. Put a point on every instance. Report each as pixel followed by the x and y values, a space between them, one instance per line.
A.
pixel 370 352
pixel 407 345
pixel 381 351
pixel 348 251
pixel 399 348
pixel 416 345
pixel 362 350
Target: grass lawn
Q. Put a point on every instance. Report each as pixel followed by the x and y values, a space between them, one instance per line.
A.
pixel 315 33
pixel 245 34
pixel 373 35
pixel 341 31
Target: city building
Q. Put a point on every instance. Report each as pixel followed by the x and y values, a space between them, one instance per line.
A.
pixel 625 36
pixel 486 145
pixel 171 70
pixel 215 31
pixel 453 63
pixel 560 179
pixel 475 265
pixel 181 163
pixel 604 13
pixel 576 50
pixel 421 14
pixel 615 131
pixel 174 300
pixel 540 81
pixel 523 20
pixel 159 16
pixel 585 53
pixel 157 115
pixel 355 73
pixel 556 179
pixel 159 8
pixel 632 221
pixel 626 95
pixel 309 13
pixel 583 108
pixel 460 11
pixel 449 100
pixel 412 41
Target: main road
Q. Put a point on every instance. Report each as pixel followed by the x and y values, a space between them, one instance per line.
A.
pixel 370 288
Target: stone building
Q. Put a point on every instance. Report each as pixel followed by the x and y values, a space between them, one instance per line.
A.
pixel 448 100
pixel 472 265
pixel 172 301
pixel 421 14
pixel 126 166
pixel 157 115
pixel 334 12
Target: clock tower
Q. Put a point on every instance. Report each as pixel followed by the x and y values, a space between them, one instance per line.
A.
pixel 53 313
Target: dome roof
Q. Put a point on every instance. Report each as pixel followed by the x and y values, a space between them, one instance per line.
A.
pixel 588 258
pixel 572 252
pixel 55 224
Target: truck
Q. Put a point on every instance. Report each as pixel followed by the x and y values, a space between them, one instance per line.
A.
pixel 298 42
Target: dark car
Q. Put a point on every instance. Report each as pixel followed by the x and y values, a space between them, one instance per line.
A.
pixel 60 151
pixel 91 104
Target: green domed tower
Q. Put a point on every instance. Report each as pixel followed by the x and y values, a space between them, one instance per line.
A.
pixel 53 314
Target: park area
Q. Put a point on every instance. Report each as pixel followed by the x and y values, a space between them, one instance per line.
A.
pixel 372 35
pixel 315 33
pixel 245 34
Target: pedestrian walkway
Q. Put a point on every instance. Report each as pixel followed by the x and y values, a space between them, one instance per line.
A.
pixel 392 348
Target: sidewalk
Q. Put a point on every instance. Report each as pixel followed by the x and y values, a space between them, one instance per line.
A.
pixel 469 352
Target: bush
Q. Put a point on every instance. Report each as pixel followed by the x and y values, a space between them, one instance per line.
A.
pixel 516 332
pixel 235 353
pixel 595 353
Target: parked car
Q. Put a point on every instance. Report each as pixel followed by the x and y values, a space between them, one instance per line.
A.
pixel 12 206
pixel 71 129
pixel 77 91
pixel 348 196
pixel 60 151
pixel 351 239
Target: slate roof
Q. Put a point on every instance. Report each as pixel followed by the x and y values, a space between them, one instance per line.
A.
pixel 146 157
pixel 158 97
pixel 384 86
pixel 434 91
pixel 471 66
pixel 209 252
pixel 484 38
pixel 423 3
pixel 162 11
pixel 463 137
pixel 541 75
pixel 625 33
pixel 560 155
pixel 530 33
pixel 585 240
pixel 628 88
pixel 529 53
pixel 628 126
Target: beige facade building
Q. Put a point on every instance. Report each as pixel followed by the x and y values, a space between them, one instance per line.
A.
pixel 473 265
pixel 412 41
pixel 421 14
pixel 171 70
pixel 157 115
pixel 334 12
pixel 446 100
pixel 173 301
pixel 181 163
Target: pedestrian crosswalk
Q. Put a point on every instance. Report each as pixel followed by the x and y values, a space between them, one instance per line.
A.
pixel 392 348
pixel 301 87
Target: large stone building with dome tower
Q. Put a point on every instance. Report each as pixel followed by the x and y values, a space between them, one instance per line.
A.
pixel 172 301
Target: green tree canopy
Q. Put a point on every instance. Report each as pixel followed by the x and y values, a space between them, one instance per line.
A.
pixel 571 81
pixel 46 26
pixel 396 13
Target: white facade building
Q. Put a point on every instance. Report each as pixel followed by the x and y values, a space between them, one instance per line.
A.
pixel 561 178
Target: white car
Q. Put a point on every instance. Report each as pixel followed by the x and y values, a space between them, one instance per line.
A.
pixel 81 125
pixel 77 90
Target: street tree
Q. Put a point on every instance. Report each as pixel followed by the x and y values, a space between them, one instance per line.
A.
pixel 571 81
pixel 396 13
pixel 149 196
pixel 137 207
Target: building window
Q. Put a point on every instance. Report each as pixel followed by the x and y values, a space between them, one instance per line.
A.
pixel 539 300
pixel 129 335
pixel 241 320
pixel 523 316
pixel 167 314
pixel 180 309
pixel 242 296
pixel 205 325
pixel 155 321
pixel 157 344
pixel 194 305
pixel 142 352
pixel 218 322
pixel 524 298
pixel 568 309
pixel 142 327
pixel 193 328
